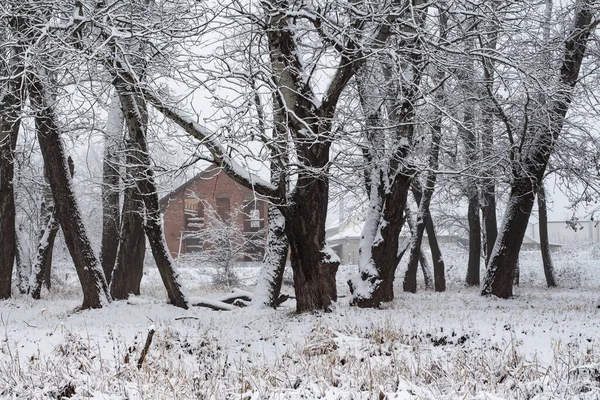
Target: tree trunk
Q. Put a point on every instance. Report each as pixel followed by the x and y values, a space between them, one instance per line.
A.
pixel 129 269
pixel 43 263
pixel 89 271
pixel 517 274
pixel 488 185
pixel 110 188
pixel 500 273
pixel 528 170
pixel 425 267
pixel 314 264
pixel 474 263
pixel 42 269
pixel 10 109
pixel 410 278
pixel 270 278
pixel 136 117
pixel 23 267
pixel 544 242
pixel 439 268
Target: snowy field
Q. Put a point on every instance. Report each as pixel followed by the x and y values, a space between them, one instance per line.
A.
pixel 543 344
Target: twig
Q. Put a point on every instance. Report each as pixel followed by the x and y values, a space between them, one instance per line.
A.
pixel 146 347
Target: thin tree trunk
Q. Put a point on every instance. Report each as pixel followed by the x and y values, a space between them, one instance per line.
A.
pixel 425 267
pixel 474 263
pixel 43 262
pixel 23 272
pixel 89 271
pixel 439 268
pixel 41 272
pixel 110 188
pixel 136 117
pixel 410 278
pixel 544 241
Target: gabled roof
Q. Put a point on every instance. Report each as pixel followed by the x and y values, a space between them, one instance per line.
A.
pixel 210 172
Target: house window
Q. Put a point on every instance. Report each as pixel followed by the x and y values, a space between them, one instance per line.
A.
pixel 194 222
pixel 254 224
pixel 223 207
pixel 254 214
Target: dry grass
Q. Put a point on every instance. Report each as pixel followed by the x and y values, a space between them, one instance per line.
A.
pixel 354 363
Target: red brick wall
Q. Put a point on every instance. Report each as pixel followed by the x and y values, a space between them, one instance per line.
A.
pixel 208 185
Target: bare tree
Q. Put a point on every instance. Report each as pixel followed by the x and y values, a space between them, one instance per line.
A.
pixel 529 162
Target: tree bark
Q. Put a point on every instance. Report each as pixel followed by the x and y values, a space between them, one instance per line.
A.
pixel 425 267
pixel 544 241
pixel 42 268
pixel 111 219
pixel 529 169
pixel 314 266
pixel 11 102
pixel 488 183
pixel 89 271
pixel 129 269
pixel 474 262
pixel 439 267
pixel 270 278
pixel 43 262
pixel 410 278
pixel 136 118
pixel 23 267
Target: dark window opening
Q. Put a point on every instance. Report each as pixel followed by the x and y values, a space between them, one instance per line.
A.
pixel 194 222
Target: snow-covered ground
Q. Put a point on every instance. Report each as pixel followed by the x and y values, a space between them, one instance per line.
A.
pixel 543 344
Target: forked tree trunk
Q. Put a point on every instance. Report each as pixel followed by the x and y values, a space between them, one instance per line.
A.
pixel 111 219
pixel 43 262
pixel 410 278
pixel 425 267
pixel 544 241
pixel 89 271
pixel 270 279
pixel 129 269
pixel 439 267
pixel 136 118
pixel 530 167
pixel 42 268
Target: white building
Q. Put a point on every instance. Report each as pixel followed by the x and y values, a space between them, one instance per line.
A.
pixel 568 232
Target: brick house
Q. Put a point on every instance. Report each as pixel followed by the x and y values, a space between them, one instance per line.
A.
pixel 184 211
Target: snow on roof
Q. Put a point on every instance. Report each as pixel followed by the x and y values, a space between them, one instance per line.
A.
pixel 353 231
